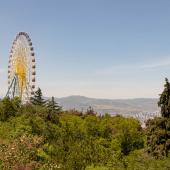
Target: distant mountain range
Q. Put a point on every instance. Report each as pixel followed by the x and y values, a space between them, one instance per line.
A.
pixel 115 106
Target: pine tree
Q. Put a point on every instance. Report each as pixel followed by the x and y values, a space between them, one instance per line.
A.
pixel 53 109
pixel 164 101
pixel 38 98
pixel 158 129
pixel 53 106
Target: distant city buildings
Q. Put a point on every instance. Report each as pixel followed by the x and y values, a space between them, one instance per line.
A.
pixel 143 116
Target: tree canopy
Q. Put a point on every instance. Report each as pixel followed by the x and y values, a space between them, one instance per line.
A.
pixel 41 136
pixel 158 129
pixel 38 99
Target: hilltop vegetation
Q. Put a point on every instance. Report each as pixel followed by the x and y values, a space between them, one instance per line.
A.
pixel 41 136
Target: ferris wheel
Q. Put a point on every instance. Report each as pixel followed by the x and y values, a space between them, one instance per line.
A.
pixel 21 68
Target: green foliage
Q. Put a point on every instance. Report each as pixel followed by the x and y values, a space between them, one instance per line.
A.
pixel 164 101
pixel 39 137
pixel 131 137
pixel 158 129
pixel 53 110
pixel 158 139
pixel 53 106
pixel 37 99
pixel 9 107
pixel 137 160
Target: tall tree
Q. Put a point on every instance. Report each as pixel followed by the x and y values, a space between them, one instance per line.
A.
pixel 158 129
pixel 164 101
pixel 53 106
pixel 37 99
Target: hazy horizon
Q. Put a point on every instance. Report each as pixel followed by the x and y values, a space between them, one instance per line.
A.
pixel 102 98
pixel 99 49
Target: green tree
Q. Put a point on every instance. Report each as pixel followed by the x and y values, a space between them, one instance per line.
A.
pixel 9 107
pixel 53 111
pixel 38 98
pixel 158 129
pixel 53 106
pixel 164 101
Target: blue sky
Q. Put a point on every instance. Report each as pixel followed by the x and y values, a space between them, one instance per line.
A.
pixel 95 48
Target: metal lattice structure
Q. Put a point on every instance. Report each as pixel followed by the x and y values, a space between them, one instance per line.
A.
pixel 21 68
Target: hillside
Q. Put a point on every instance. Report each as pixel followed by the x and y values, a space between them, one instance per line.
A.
pixel 115 106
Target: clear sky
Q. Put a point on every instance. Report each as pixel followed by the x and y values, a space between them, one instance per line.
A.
pixel 95 48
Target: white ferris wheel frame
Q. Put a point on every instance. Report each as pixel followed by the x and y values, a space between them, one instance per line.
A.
pixel 22 49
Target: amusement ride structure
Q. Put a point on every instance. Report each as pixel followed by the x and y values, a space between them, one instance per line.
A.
pixel 21 68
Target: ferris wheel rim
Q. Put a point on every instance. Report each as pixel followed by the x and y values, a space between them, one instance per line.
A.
pixel 23 37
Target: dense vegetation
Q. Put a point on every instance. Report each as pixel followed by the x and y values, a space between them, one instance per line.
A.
pixel 40 135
